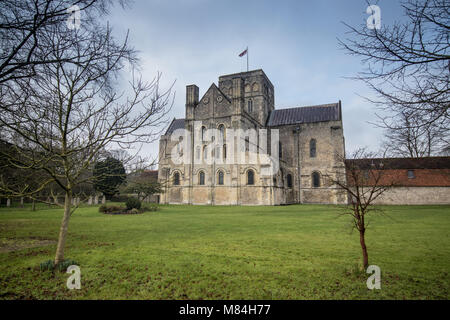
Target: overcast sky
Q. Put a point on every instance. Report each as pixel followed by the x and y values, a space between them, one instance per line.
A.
pixel 294 42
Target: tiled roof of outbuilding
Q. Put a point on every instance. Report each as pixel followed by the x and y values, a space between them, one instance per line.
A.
pixel 426 172
pixel 402 163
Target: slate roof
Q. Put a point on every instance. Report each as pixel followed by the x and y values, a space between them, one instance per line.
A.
pixel 319 113
pixel 281 117
pixel 176 124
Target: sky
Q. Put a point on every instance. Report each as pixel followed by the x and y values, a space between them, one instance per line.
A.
pixel 294 42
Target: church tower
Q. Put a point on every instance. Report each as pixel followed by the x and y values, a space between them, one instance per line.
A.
pixel 258 97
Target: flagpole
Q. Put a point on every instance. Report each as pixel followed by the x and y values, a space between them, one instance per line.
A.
pixel 247 59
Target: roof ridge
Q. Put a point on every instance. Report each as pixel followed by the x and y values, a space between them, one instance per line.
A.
pixel 432 162
pixel 170 128
pixel 396 158
pixel 311 106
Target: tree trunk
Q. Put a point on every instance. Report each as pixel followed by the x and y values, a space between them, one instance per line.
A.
pixel 33 205
pixel 364 249
pixel 63 229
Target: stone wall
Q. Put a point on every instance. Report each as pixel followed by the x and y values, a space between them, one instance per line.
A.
pixel 415 196
pixel 297 161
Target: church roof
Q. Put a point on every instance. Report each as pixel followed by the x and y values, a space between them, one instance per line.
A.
pixel 282 117
pixel 319 113
pixel 175 124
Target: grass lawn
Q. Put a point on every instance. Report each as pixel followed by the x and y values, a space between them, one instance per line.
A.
pixel 204 252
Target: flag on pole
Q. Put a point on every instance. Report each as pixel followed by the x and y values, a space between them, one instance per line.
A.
pixel 243 53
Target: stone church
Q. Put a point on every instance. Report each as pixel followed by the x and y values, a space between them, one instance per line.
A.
pixel 214 166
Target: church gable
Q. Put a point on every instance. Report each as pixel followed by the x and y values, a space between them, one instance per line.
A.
pixel 214 103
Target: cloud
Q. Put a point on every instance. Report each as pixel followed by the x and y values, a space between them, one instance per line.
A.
pixel 294 42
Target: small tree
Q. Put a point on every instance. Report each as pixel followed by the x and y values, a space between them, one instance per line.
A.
pixel 108 175
pixel 59 117
pixel 143 185
pixel 364 181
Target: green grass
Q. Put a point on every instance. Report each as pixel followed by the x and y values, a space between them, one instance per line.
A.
pixel 204 252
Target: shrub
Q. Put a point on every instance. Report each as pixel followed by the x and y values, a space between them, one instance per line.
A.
pixel 133 203
pixel 134 211
pixel 110 209
pixel 49 265
pixel 65 264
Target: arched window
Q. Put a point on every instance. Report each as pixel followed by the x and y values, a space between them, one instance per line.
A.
pixel 222 133
pixel 316 180
pixel 205 153
pixel 312 148
pixel 220 178
pixel 224 151
pixel 250 177
pixel 203 133
pixel 289 181
pixel 201 178
pixel 176 179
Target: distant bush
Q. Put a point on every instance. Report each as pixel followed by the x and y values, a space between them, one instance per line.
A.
pixel 134 211
pixel 133 203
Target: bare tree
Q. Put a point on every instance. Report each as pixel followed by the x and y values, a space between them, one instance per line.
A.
pixel 408 63
pixel 405 138
pixel 364 181
pixel 60 119
pixel 23 25
pixel 445 151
